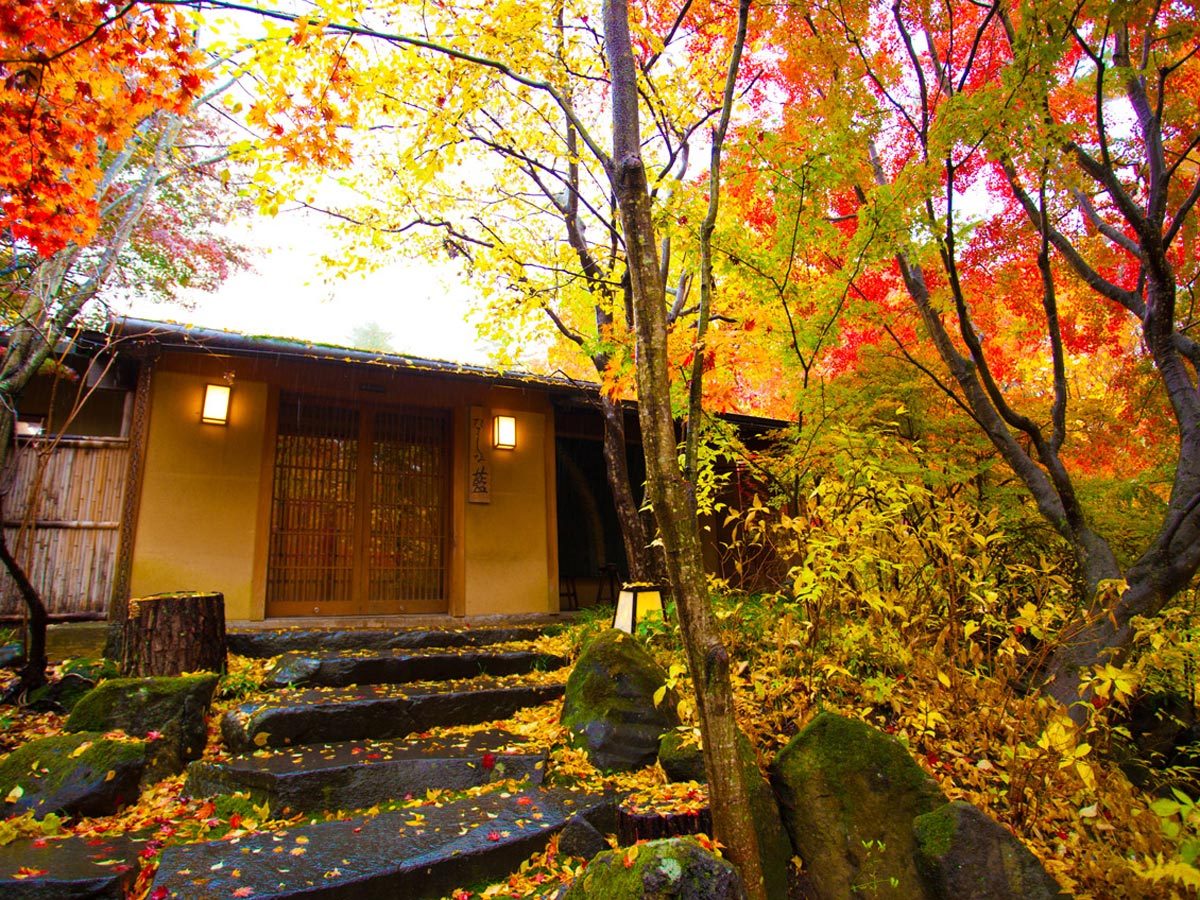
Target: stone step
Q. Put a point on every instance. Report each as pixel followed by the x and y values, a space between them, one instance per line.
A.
pixel 381 712
pixel 69 867
pixel 275 642
pixel 411 853
pixel 358 774
pixel 397 667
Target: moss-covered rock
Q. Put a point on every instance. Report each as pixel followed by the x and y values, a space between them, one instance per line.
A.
pixel 681 758
pixel 849 794
pixel 675 868
pixel 174 708
pixel 80 774
pixel 963 854
pixel 609 705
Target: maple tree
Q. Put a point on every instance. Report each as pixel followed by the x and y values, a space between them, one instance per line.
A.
pixel 93 97
pixel 1024 177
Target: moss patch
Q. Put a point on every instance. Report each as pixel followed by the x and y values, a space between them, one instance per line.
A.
pixel 674 868
pixel 79 774
pixel 152 701
pixel 935 831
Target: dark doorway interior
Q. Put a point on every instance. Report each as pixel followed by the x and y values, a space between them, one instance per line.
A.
pixel 589 536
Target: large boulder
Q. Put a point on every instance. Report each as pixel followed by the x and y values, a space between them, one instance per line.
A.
pixel 82 774
pixel 173 709
pixel 609 706
pixel 964 854
pixel 849 794
pixel 676 868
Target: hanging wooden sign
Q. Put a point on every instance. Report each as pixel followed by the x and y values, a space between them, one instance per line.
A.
pixel 479 463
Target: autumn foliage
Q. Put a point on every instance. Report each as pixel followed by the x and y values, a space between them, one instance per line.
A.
pixel 77 77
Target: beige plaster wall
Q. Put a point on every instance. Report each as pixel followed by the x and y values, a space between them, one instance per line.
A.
pixel 200 493
pixel 508 563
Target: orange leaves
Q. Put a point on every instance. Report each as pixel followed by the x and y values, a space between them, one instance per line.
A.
pixel 76 80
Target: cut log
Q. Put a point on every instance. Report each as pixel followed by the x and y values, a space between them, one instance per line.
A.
pixel 169 634
pixel 635 825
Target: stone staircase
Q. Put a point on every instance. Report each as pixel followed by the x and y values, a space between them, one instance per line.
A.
pixel 342 724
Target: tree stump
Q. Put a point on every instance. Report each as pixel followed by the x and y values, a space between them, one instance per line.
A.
pixel 635 825
pixel 169 634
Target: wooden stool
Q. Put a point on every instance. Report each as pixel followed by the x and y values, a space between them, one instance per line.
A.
pixel 568 593
pixel 607 580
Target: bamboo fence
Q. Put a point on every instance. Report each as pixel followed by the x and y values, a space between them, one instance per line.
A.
pixel 62 520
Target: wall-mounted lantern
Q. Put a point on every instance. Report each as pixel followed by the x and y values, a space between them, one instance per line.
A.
pixel 637 603
pixel 216 404
pixel 504 432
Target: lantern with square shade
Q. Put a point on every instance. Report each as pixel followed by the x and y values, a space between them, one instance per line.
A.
pixel 637 603
pixel 504 432
pixel 216 404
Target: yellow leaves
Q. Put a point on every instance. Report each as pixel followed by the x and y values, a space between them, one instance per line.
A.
pixel 1112 682
pixel 80 750
pixel 1174 871
pixel 15 794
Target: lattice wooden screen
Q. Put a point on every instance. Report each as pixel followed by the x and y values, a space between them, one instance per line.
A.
pixel 407 559
pixel 313 503
pixel 360 510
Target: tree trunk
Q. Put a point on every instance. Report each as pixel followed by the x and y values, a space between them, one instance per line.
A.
pixel 674 505
pixel 643 565
pixel 169 634
pixel 33 673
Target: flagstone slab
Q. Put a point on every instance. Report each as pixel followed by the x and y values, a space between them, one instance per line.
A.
pixel 68 868
pixel 412 853
pixel 397 667
pixel 359 774
pixel 325 715
pixel 273 643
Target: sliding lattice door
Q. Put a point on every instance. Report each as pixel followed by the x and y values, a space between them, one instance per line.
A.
pixel 407 560
pixel 359 516
pixel 311 566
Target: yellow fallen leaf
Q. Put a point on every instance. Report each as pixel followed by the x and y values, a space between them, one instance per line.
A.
pixel 81 749
pixel 15 794
pixel 110 775
pixel 260 739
